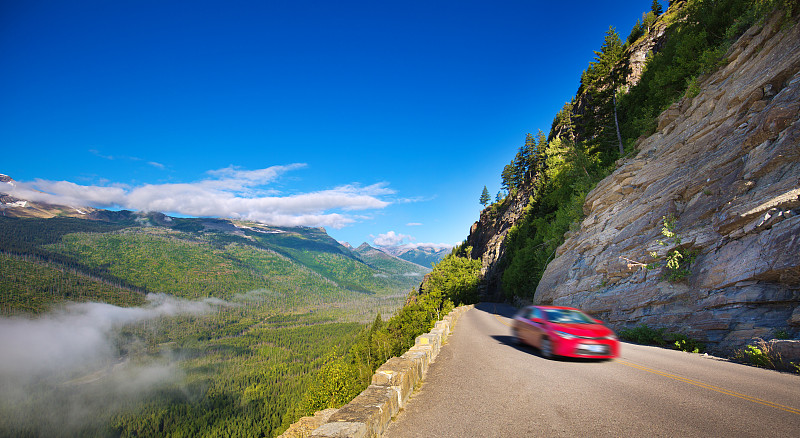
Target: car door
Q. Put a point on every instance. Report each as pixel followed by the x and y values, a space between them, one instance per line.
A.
pixel 523 325
pixel 537 327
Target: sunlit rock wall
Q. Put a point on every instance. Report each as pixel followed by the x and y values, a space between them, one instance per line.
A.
pixel 726 165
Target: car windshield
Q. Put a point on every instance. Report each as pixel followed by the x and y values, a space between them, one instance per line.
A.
pixel 565 316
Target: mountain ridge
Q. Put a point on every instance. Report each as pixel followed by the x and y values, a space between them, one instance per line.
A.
pixel 209 256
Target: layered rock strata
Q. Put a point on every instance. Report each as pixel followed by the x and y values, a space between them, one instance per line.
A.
pixel 726 165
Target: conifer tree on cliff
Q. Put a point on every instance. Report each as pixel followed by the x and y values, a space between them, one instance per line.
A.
pixel 599 83
pixel 656 8
pixel 507 178
pixel 485 198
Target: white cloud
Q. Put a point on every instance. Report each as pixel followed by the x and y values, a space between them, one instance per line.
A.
pixel 413 224
pixel 229 192
pixel 65 193
pixel 405 241
pixel 391 239
pixel 236 179
pixel 437 246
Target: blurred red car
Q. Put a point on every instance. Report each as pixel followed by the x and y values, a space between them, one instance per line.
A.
pixel 564 331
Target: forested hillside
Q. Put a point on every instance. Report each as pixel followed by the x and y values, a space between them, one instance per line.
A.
pixel 273 304
pixel 192 258
pixel 221 325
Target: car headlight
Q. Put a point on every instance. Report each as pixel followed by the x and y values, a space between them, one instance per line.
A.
pixel 565 335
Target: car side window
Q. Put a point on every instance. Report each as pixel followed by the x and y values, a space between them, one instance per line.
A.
pixel 537 313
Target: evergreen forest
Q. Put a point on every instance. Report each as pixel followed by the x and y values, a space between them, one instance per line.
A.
pixel 236 325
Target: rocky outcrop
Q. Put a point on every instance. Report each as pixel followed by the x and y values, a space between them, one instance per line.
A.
pixel 637 54
pixel 487 239
pixel 726 165
pixel 629 70
pixel 487 235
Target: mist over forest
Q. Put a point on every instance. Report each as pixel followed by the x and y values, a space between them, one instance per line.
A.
pixel 76 366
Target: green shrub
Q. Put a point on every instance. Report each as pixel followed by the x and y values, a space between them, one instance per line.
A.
pixel 763 355
pixel 686 344
pixel 677 262
pixel 758 355
pixel 781 334
pixel 643 334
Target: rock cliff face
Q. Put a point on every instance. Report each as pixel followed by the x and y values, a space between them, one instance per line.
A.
pixel 726 165
pixel 487 236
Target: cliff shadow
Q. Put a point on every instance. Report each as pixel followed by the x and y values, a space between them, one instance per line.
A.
pixel 500 309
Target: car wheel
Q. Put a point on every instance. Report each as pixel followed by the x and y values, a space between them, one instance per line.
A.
pixel 547 348
pixel 515 336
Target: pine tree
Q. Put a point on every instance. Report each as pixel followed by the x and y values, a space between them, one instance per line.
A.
pixel 599 83
pixel 507 178
pixel 530 157
pixel 656 7
pixel 485 198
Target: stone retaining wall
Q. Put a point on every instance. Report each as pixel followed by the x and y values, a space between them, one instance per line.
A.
pixel 368 414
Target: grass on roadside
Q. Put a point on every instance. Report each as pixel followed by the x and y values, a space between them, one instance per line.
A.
pixel 643 334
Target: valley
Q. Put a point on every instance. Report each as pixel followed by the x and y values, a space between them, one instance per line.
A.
pixel 143 324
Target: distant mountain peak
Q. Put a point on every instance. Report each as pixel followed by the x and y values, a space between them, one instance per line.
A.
pixel 364 246
pixel 423 255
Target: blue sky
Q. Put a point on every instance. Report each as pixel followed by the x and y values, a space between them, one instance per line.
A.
pixel 381 121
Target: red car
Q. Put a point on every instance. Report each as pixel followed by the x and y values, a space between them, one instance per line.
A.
pixel 564 331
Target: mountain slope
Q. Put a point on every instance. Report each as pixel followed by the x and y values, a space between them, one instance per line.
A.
pixel 420 255
pixel 191 258
pixel 389 263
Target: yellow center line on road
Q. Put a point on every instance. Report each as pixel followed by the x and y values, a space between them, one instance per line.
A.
pixel 697 383
pixel 498 318
pixel 710 387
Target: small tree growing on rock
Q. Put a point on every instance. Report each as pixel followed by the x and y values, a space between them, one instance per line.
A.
pixel 677 262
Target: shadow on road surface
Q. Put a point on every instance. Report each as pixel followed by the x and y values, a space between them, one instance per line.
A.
pixel 511 341
pixel 497 309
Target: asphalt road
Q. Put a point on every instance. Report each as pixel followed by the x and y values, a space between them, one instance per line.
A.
pixel 483 385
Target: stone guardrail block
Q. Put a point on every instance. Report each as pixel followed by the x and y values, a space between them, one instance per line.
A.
pixel 421 360
pixel 368 414
pixel 444 326
pixel 306 425
pixel 430 339
pixel 341 429
pixel 374 408
pixel 400 374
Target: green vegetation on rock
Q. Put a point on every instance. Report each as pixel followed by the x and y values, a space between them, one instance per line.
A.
pixel 556 173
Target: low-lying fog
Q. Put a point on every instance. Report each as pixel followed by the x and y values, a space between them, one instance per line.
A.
pixel 64 372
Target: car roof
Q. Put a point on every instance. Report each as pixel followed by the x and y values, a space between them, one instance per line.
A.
pixel 556 307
